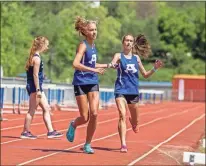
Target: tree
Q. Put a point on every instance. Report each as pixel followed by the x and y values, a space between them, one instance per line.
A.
pixel 182 33
pixel 15 36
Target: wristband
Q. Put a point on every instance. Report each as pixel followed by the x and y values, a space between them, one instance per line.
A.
pixel 154 70
pixel 109 65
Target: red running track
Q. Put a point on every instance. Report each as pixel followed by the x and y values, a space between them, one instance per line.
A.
pixel 164 129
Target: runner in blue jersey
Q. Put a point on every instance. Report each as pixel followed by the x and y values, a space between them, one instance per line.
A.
pixel 85 81
pixel 126 85
pixel 35 76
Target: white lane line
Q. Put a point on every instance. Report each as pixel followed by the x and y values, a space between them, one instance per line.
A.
pixel 102 138
pixel 165 153
pixel 167 140
pixel 34 124
pixel 84 126
pixel 162 108
pixel 21 126
pixel 58 114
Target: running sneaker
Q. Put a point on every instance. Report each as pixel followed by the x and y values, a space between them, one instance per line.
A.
pixel 123 149
pixel 87 149
pixel 27 135
pixel 71 132
pixel 54 134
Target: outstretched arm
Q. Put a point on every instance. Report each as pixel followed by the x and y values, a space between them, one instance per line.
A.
pixel 146 74
pixel 116 58
pixel 112 64
pixel 98 65
pixel 115 61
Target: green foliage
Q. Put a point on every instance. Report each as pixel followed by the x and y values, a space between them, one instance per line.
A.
pixel 183 32
pixel 15 37
pixel 175 30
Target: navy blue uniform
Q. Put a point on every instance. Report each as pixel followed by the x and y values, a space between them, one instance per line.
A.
pixel 31 88
pixel 127 82
pixel 86 81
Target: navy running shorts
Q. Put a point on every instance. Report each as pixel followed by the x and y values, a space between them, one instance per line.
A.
pixel 31 88
pixel 131 99
pixel 85 89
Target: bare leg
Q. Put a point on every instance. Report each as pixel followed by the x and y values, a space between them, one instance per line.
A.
pixel 46 112
pixel 33 104
pixel 121 105
pixel 133 108
pixel 82 103
pixel 94 106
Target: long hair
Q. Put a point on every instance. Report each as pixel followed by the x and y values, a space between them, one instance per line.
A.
pixel 81 24
pixel 37 44
pixel 141 46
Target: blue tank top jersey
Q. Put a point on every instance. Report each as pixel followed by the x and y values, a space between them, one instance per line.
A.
pixel 89 59
pixel 127 76
pixel 29 73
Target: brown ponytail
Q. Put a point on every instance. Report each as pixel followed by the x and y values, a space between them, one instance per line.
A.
pixel 37 44
pixel 141 46
pixel 81 24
